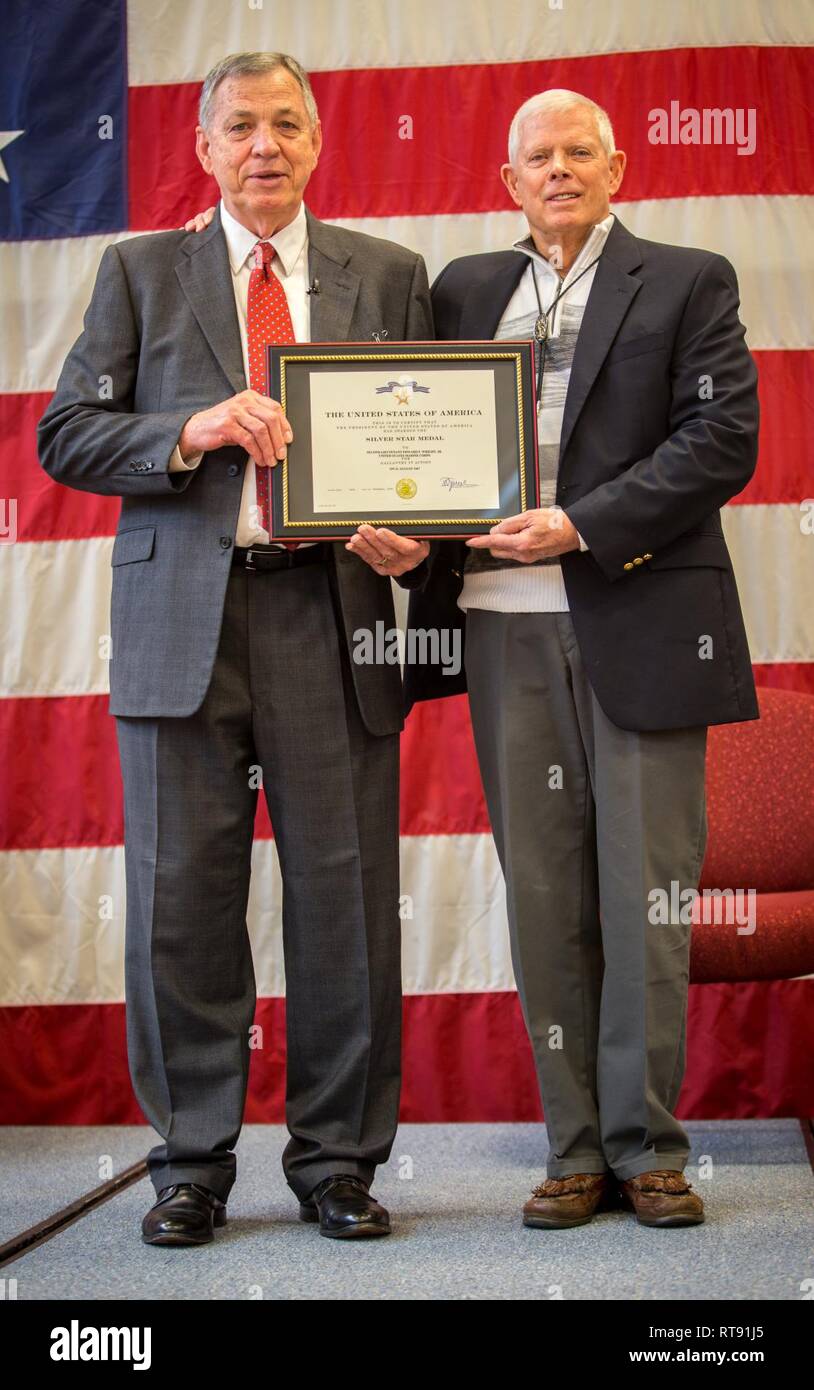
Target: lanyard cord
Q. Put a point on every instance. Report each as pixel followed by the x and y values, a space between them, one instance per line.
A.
pixel 541 330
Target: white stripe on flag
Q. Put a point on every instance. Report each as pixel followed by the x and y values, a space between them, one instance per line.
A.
pixel 46 289
pixel 58 601
pixel 773 557
pixel 753 232
pixel 55 610
pixel 180 43
pixel 63 941
pixel 54 279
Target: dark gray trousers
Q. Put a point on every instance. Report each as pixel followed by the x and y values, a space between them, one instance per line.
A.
pixel 281 696
pixel 588 818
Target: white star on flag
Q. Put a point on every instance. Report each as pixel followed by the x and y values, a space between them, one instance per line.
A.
pixel 6 137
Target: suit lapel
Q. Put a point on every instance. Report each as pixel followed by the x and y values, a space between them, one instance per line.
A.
pixel 205 277
pixel 612 294
pixel 332 308
pixel 486 301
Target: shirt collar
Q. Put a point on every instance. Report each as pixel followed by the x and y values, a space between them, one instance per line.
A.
pixel 288 242
pixel 594 244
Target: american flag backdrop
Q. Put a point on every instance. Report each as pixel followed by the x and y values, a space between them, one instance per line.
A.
pixel 97 111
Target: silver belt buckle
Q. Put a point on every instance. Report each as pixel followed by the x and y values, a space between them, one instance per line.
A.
pixel 272 550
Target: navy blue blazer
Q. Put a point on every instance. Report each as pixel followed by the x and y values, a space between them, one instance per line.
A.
pixel 646 461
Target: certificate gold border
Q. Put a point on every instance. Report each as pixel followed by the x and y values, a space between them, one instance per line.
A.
pixel 402 520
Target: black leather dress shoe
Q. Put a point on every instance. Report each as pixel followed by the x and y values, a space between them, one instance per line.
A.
pixel 185 1214
pixel 345 1209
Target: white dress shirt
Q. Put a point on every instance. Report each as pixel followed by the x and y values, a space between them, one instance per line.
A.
pixel 290 265
pixel 538 588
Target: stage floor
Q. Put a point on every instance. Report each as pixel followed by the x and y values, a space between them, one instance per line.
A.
pixel 454 1193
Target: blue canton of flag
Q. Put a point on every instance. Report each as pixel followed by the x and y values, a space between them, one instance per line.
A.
pixel 63 118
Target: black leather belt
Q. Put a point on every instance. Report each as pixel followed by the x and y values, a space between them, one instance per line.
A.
pixel 259 559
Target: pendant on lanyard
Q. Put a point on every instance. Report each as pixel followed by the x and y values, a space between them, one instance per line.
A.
pixel 542 332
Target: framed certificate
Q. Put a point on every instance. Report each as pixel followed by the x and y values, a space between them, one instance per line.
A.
pixel 428 439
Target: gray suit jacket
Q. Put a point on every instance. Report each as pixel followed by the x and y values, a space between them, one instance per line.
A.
pixel 161 341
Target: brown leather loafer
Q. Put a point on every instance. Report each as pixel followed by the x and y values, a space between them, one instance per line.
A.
pixel 571 1201
pixel 662 1197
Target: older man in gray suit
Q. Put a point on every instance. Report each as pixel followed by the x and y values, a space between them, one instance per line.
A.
pixel 231 652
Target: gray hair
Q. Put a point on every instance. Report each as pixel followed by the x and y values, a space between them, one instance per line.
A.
pixel 560 99
pixel 253 65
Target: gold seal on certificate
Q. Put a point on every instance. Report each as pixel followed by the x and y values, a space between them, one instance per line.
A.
pixel 429 439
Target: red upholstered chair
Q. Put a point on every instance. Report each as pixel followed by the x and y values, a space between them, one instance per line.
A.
pixel 760 805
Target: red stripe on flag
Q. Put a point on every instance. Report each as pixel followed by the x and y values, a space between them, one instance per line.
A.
pixel 466 1059
pixel 786 392
pixel 786 675
pixel 62 785
pixel 460 118
pixel 48 511
pixel 441 789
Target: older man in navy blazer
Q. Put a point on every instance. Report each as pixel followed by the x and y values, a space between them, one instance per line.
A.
pixel 603 635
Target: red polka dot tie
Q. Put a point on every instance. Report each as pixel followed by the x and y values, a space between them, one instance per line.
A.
pixel 267 321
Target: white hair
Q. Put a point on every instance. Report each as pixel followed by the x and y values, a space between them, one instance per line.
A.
pixel 253 65
pixel 560 99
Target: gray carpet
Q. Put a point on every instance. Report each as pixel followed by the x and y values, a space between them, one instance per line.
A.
pixel 454 1194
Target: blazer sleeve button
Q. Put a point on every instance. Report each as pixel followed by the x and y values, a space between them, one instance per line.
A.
pixel 638 560
pixel 647 557
pixel 628 565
